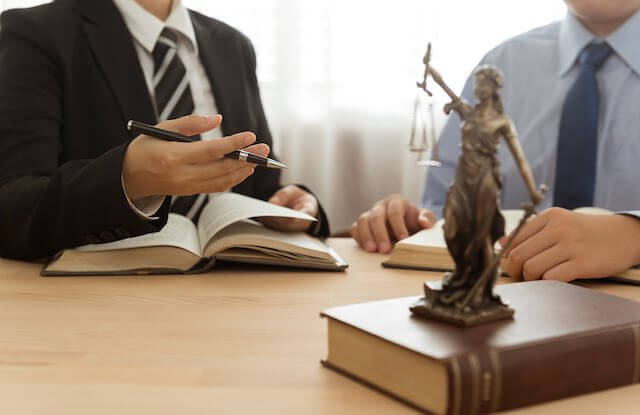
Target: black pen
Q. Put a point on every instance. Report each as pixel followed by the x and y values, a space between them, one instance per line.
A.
pixel 142 128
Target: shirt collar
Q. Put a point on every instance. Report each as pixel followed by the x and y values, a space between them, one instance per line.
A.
pixel 625 42
pixel 574 37
pixel 146 28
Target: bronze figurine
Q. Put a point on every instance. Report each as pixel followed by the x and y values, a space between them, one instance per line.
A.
pixel 473 222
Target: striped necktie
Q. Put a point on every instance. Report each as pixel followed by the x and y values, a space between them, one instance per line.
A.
pixel 578 136
pixel 173 100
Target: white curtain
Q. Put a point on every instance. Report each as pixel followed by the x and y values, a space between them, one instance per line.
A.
pixel 338 81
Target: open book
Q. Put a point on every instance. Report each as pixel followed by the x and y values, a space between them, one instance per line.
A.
pixel 427 249
pixel 224 232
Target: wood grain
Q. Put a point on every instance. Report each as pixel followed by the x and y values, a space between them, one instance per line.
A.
pixel 232 341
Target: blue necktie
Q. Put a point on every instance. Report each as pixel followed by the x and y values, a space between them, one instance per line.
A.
pixel 578 136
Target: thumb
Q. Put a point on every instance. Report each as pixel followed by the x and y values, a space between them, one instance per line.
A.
pixel 283 196
pixel 192 124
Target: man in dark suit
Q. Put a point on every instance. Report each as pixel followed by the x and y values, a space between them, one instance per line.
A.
pixel 73 72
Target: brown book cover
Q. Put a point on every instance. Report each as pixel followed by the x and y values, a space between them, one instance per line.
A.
pixel 564 340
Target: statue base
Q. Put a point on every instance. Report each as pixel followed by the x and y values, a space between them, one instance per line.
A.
pixel 429 307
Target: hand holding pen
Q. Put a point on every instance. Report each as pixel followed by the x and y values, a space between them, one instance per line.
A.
pixel 154 167
pixel 142 128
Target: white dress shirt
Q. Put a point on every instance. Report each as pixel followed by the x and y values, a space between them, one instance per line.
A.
pixel 145 29
pixel 539 68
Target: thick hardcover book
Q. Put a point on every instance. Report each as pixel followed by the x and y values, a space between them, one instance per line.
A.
pixel 427 249
pixel 564 340
pixel 225 232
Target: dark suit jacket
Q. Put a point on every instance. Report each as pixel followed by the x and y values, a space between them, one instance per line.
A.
pixel 69 80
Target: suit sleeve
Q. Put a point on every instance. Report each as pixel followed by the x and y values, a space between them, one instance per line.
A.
pixel 48 203
pixel 268 180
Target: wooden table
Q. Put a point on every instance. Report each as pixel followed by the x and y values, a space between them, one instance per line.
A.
pixel 237 342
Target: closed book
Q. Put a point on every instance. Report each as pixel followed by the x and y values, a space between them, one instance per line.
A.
pixel 564 340
pixel 427 248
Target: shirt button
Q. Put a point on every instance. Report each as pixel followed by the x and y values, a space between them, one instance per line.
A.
pixel 107 236
pixel 122 232
pixel 92 239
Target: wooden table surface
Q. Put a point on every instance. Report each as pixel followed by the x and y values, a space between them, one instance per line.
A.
pixel 231 341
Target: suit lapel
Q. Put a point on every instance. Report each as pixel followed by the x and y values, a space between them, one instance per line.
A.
pixel 113 49
pixel 221 64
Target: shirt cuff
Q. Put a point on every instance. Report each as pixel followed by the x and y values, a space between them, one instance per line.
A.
pixel 147 207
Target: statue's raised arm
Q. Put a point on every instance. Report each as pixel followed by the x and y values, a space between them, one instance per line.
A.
pixel 457 104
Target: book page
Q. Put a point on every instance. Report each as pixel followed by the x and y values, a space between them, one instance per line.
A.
pixel 179 232
pixel 512 219
pixel 251 234
pixel 226 208
pixel 434 236
pixel 591 210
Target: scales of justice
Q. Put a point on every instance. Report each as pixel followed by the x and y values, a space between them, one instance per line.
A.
pixel 472 219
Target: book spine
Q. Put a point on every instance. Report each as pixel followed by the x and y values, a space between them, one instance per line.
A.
pixel 497 380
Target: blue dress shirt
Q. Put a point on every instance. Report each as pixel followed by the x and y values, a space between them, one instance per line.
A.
pixel 539 68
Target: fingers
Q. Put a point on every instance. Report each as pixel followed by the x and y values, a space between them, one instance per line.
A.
pixel 396 209
pixel 393 216
pixel 378 226
pixel 209 171
pixel 307 204
pixel 529 229
pixel 227 181
pixel 258 149
pixel 206 151
pixel 565 271
pixel 286 195
pixel 192 124
pixel 520 256
pixel 362 233
pixel 426 218
pixel 295 198
pixel 539 264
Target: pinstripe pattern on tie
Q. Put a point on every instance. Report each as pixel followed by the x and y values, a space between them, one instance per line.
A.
pixel 173 99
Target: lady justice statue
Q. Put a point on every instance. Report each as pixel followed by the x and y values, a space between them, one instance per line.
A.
pixel 473 222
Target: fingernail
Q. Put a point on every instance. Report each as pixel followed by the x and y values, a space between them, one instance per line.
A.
pixel 384 246
pixel 370 246
pixel 402 236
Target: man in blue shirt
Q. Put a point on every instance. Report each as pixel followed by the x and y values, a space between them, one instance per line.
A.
pixel 541 67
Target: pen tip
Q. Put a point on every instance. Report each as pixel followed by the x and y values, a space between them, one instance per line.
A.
pixel 276 165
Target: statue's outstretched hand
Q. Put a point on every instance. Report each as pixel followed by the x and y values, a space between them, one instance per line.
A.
pixel 454 105
pixel 448 107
